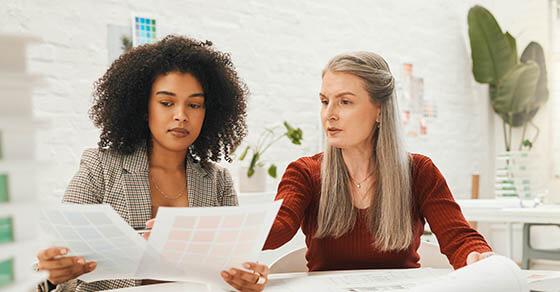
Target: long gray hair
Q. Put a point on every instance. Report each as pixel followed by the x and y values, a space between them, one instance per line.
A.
pixel 390 215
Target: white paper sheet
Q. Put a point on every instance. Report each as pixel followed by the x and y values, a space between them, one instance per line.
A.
pixel 200 242
pixel 397 280
pixel 97 233
pixel 496 273
pixel 186 244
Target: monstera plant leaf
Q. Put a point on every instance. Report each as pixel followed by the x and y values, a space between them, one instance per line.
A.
pixel 514 94
pixel 493 52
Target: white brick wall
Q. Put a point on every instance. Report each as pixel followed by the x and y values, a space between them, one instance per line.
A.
pixel 279 48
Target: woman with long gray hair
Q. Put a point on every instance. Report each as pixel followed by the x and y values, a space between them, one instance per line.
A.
pixel 363 203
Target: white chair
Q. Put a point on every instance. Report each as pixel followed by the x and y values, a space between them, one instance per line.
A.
pixel 431 257
pixel 291 262
pixel 294 261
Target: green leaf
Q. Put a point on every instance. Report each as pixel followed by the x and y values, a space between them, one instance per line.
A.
pixel 250 172
pixel 512 44
pixel 295 135
pixel 534 52
pixel 254 160
pixel 272 171
pixel 244 153
pixel 527 143
pixel 491 51
pixel 515 92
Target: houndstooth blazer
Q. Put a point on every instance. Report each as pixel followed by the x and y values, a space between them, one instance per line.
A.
pixel 122 181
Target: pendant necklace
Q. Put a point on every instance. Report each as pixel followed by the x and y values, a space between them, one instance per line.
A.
pixel 359 185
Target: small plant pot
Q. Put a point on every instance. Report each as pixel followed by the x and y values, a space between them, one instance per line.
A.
pixel 255 183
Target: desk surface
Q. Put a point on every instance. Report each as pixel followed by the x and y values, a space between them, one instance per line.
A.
pixel 507 210
pixel 550 286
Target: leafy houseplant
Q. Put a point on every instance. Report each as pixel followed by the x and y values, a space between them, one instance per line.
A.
pixel 518 88
pixel 267 139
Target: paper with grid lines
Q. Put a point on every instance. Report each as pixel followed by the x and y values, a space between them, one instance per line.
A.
pixel 186 244
pixel 97 233
pixel 200 242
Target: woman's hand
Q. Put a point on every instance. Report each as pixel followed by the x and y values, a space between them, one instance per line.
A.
pixel 149 225
pixel 247 281
pixel 61 268
pixel 475 256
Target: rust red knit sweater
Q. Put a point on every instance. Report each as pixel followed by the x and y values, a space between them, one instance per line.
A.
pixel 300 190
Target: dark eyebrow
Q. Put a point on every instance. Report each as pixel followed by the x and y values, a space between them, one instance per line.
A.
pixel 173 94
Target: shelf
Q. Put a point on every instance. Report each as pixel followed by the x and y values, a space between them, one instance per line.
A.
pixel 19 248
pixel 13 209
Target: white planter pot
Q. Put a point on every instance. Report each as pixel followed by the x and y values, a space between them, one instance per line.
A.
pixel 255 183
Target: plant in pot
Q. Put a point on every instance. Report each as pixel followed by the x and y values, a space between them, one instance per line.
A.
pixel 517 86
pixel 253 178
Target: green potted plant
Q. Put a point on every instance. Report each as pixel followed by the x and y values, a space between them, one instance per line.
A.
pixel 517 87
pixel 254 153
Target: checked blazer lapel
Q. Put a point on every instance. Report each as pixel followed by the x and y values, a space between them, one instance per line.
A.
pixel 137 187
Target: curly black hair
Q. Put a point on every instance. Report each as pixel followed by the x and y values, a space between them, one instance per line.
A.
pixel 120 105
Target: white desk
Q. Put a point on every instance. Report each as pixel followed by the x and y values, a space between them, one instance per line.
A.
pixel 509 212
pixel 551 286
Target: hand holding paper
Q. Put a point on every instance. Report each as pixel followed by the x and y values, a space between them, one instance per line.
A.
pixel 186 244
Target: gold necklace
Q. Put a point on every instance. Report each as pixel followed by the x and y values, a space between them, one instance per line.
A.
pixel 359 185
pixel 162 193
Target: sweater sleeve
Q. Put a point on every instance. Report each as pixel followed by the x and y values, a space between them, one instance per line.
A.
pixel 296 191
pixel 455 235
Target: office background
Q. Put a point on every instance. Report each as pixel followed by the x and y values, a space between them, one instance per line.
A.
pixel 279 49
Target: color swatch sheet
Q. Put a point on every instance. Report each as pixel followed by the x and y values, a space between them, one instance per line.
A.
pixel 97 233
pixel 200 242
pixel 143 30
pixel 186 244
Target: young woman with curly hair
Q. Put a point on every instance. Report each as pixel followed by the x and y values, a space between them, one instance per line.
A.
pixel 166 111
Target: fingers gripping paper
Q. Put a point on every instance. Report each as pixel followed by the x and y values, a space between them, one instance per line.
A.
pixel 97 233
pixel 189 244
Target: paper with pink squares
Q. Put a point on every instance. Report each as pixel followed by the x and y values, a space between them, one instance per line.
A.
pixel 201 242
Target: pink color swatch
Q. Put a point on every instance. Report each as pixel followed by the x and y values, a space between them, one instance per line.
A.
pixel 198 248
pixel 209 222
pixel 184 222
pixel 227 236
pixel 178 234
pixel 233 221
pixel 203 236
